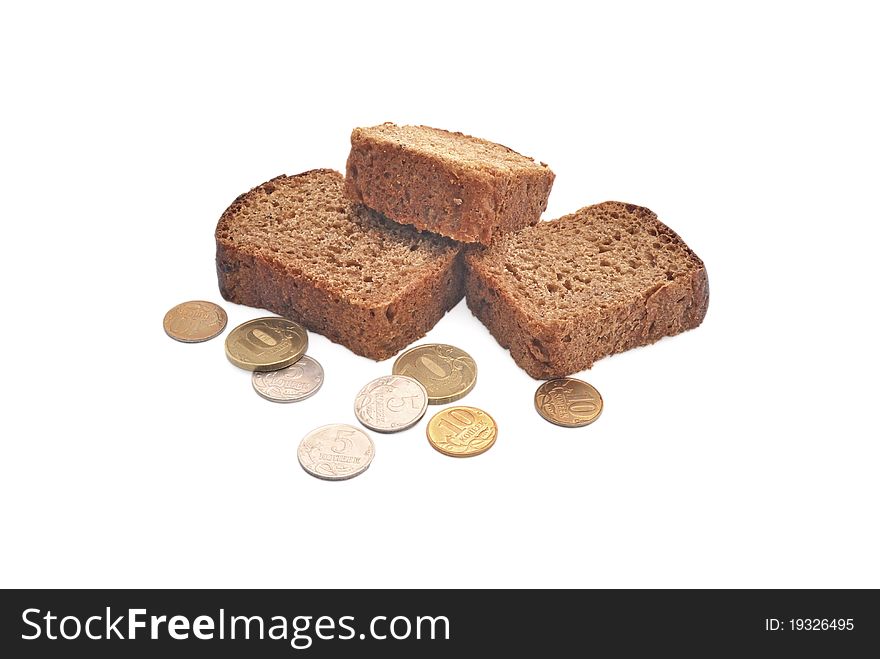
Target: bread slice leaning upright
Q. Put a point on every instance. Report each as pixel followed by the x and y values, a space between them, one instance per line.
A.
pixel 296 246
pixel 564 293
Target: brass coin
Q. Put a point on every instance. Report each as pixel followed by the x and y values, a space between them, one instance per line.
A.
pixel 289 385
pixel 568 402
pixel 266 344
pixel 462 432
pixel 336 452
pixel 447 373
pixel 195 321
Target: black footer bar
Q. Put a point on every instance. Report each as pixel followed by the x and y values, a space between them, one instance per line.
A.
pixel 290 623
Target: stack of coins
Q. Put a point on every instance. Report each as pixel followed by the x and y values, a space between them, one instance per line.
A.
pixel 274 350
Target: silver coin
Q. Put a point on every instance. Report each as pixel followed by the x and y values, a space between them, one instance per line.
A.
pixel 336 452
pixel 391 403
pixel 296 382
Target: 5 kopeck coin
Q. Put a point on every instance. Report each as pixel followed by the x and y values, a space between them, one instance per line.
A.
pixel 391 403
pixel 291 384
pixel 336 452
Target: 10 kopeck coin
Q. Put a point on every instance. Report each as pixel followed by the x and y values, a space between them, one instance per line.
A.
pixel 568 402
pixel 462 432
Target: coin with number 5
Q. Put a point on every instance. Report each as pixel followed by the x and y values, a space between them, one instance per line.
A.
pixel 391 403
pixel 289 385
pixel 336 452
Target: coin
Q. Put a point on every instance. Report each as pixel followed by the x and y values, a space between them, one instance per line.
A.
pixel 447 373
pixel 195 321
pixel 288 385
pixel 568 402
pixel 336 452
pixel 391 403
pixel 266 344
pixel 462 432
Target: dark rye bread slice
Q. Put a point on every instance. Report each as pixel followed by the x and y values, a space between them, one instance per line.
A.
pixel 448 183
pixel 564 293
pixel 298 247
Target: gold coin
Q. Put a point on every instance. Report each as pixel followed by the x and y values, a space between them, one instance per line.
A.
pixel 447 373
pixel 266 344
pixel 462 432
pixel 194 321
pixel 568 402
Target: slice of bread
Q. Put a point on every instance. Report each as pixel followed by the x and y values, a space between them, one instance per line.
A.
pixel 448 183
pixel 298 247
pixel 564 293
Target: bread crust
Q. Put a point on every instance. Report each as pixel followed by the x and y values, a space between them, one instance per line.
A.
pixel 555 347
pixel 412 185
pixel 373 329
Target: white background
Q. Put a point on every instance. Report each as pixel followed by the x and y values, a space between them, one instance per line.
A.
pixel 743 453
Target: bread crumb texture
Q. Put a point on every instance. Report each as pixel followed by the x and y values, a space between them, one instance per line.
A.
pixel 567 292
pixel 297 246
pixel 459 186
pixel 455 149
